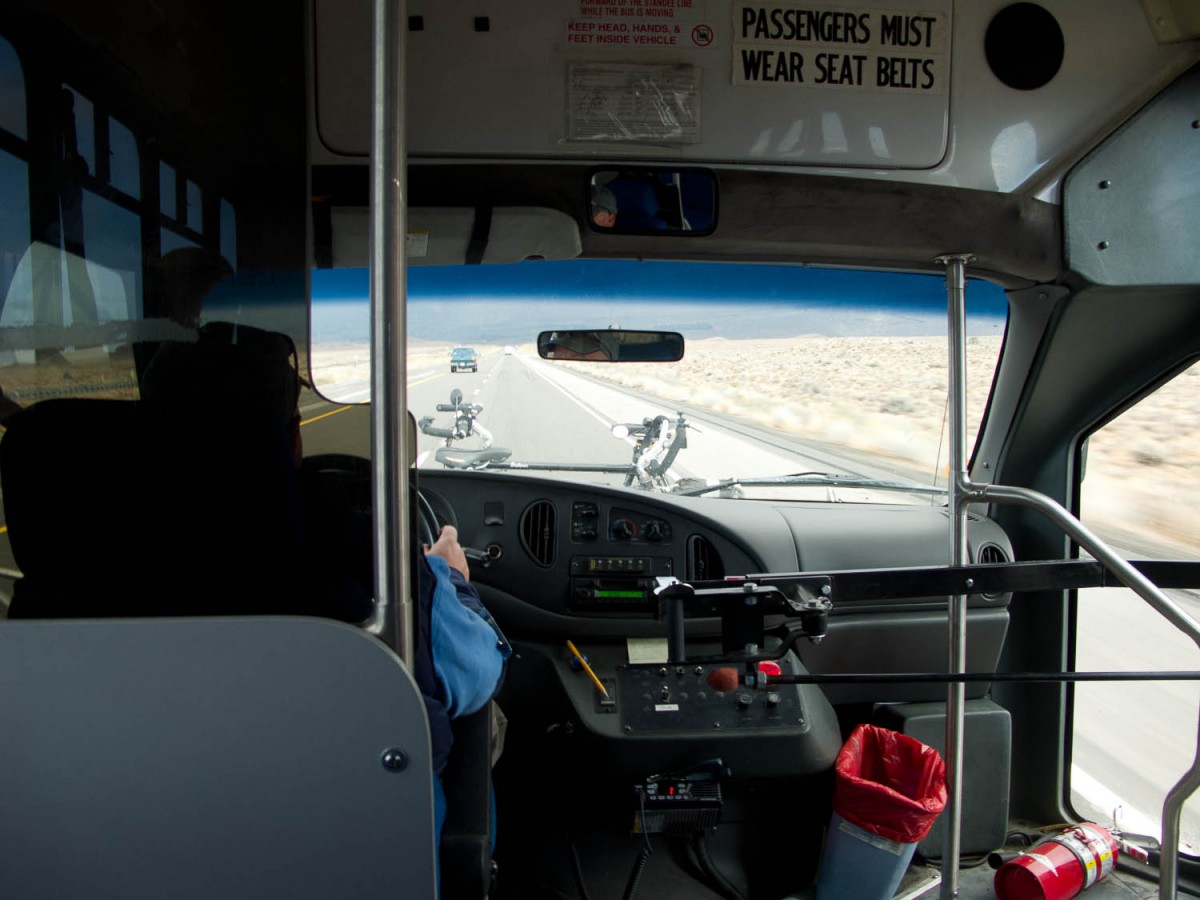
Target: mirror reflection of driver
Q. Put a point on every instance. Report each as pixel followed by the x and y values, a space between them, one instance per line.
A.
pixel 589 345
pixel 604 207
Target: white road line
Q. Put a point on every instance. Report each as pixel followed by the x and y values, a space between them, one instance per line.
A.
pixel 671 473
pixel 587 409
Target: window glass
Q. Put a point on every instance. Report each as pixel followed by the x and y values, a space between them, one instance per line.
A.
pixel 1139 494
pixel 85 130
pixel 786 369
pixel 124 171
pixel 14 222
pixel 229 234
pixel 166 191
pixel 12 91
pixel 172 241
pixel 113 237
pixel 195 211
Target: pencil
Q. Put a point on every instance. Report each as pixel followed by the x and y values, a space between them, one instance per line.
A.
pixel 583 662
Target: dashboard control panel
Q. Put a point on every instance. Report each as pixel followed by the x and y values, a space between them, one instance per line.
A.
pixel 703 698
pixel 619 526
pixel 615 584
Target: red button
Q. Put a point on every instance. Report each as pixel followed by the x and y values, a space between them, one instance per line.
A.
pixel 770 667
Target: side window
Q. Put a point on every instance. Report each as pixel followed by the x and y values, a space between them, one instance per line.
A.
pixel 14 169
pixel 1140 492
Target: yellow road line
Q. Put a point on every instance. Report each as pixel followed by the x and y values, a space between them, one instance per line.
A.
pixel 334 412
pixel 326 415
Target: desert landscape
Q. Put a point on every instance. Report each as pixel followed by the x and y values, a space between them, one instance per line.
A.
pixel 887 396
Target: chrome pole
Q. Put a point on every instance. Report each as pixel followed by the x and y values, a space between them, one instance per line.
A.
pixel 956 284
pixel 392 619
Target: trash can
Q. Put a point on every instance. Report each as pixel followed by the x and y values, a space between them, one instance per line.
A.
pixel 888 790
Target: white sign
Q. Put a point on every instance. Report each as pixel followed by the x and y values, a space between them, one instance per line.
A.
pixel 814 45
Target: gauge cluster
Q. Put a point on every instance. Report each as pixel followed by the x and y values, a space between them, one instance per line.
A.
pixel 627 526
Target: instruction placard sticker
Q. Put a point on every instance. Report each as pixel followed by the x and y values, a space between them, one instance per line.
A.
pixel 858 48
pixel 632 24
pixel 631 102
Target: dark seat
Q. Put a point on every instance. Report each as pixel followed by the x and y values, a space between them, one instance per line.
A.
pixel 214 757
pixel 467 868
pixel 128 509
pixel 116 509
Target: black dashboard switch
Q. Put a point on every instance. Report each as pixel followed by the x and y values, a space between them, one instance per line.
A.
pixel 493 513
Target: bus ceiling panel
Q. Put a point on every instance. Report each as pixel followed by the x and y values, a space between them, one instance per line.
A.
pixel 1132 207
pixel 897 93
pixel 457 235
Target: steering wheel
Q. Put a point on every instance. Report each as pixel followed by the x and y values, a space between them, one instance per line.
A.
pixel 428 526
pixel 354 474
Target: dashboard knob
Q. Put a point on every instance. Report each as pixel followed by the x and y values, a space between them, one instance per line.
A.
pixel 622 530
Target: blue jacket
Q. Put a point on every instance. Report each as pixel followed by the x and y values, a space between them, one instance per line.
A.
pixel 460 653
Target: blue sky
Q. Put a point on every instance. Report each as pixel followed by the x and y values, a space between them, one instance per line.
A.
pixel 511 303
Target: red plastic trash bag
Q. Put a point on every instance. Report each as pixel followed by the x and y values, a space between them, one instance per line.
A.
pixel 889 784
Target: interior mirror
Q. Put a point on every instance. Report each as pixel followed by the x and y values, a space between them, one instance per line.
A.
pixel 611 345
pixel 653 201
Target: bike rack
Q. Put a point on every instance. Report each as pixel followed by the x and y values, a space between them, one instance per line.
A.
pixel 964 492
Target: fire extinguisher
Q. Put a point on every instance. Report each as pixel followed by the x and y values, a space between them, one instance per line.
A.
pixel 1060 866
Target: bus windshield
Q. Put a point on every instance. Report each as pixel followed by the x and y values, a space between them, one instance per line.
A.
pixel 796 383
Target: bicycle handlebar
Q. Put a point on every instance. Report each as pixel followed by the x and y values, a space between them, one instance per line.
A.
pixel 470 409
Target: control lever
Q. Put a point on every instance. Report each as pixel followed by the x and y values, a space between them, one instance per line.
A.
pixel 484 557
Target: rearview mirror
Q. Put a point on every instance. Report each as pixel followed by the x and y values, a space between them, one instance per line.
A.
pixel 653 201
pixel 611 345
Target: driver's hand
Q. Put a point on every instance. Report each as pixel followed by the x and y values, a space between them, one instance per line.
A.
pixel 447 547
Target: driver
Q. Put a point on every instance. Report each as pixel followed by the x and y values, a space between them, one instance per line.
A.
pixel 465 651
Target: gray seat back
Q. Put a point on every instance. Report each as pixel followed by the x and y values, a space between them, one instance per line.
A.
pixel 200 758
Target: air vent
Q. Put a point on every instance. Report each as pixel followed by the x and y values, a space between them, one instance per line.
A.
pixel 990 554
pixel 539 525
pixel 703 561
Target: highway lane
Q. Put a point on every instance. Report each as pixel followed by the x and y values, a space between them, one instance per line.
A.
pixel 545 413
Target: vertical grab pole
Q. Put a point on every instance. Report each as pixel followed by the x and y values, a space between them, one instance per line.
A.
pixel 956 283
pixel 392 619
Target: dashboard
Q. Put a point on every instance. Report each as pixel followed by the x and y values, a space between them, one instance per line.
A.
pixel 632 680
pixel 557 561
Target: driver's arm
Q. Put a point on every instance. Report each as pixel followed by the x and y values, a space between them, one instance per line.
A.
pixel 469 651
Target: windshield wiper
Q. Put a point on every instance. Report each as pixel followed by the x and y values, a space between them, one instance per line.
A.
pixel 820 479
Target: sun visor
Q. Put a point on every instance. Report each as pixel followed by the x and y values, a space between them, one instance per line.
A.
pixel 441 236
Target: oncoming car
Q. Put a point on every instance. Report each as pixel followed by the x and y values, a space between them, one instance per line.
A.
pixel 464 358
